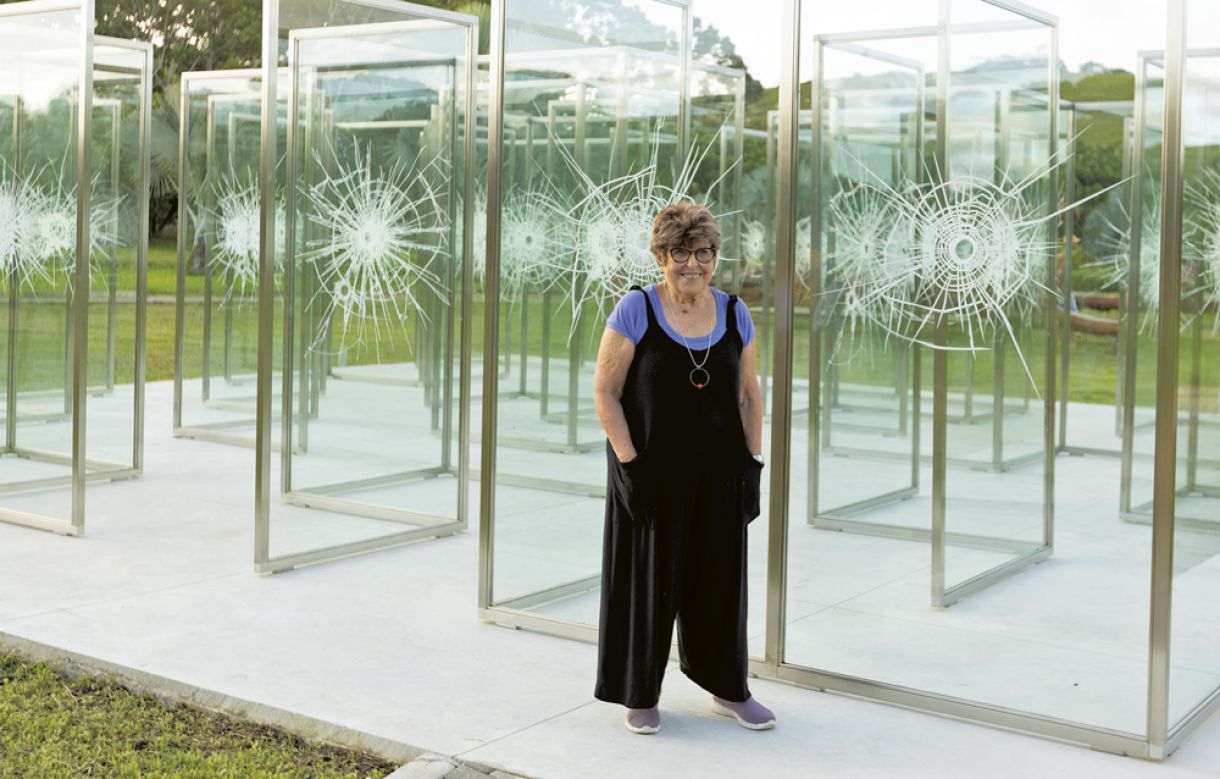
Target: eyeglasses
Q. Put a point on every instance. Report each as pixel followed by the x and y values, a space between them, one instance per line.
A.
pixel 682 255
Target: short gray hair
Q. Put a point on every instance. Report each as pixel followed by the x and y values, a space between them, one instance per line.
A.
pixel 678 224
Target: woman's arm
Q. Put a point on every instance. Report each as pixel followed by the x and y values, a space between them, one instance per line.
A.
pixel 614 358
pixel 749 398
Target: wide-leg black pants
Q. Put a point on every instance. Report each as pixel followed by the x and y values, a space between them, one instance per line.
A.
pixel 675 547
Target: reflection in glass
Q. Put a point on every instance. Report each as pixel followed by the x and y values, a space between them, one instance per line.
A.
pixel 370 268
pixel 1194 676
pixel 602 126
pixel 935 211
pixel 1139 269
pixel 73 305
pixel 217 351
pixel 597 137
pixel 1092 276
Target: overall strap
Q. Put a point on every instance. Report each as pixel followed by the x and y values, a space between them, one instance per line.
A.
pixel 730 316
pixel 652 317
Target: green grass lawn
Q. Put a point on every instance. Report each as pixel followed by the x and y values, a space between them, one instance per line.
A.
pixel 55 726
pixel 1093 361
pixel 162 271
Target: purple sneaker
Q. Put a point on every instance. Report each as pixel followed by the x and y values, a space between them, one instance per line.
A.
pixel 645 721
pixel 749 714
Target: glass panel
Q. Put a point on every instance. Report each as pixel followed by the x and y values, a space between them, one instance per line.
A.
pixel 734 79
pixel 39 104
pixel 1097 130
pixel 1194 644
pixel 373 176
pixel 219 246
pixel 1141 290
pixel 871 109
pixel 118 84
pixel 962 270
pixel 592 141
pixel 999 263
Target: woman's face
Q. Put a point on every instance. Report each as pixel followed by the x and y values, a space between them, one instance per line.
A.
pixel 689 278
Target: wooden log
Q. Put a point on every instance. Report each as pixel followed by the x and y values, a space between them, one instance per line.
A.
pixel 1099 300
pixel 1094 325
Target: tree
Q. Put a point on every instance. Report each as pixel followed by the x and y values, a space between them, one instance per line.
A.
pixel 188 34
pixel 192 35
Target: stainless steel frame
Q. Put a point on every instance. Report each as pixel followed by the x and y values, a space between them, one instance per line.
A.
pixel 1073 112
pixel 573 416
pixel 774 666
pixel 823 391
pixel 1161 737
pixel 263 560
pixel 1143 512
pixel 512 612
pixel 842 518
pixel 83 468
pixel 295 439
pixel 215 432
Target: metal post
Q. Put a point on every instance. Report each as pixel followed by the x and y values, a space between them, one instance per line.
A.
pixel 113 278
pixel 470 151
pixel 142 192
pixel 522 379
pixel 1069 230
pixel 576 334
pixel 1164 475
pixel 208 206
pixel 448 120
pixel 1131 306
pixel 491 310
pixel 180 285
pixel 80 301
pixel 728 249
pixel 227 354
pixel 940 357
pixel 684 99
pixel 69 298
pixel 1049 299
pixel 544 404
pixel 902 379
pixel 1193 400
pixel 1120 371
pixel 266 288
pixel 781 408
pixel 764 332
pixel 299 349
pixel 739 151
pixel 999 356
pixel 920 170
pixel 814 416
pixel 14 308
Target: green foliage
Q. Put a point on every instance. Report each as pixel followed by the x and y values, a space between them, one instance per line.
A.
pixel 199 35
pixel 1099 145
pixel 1097 87
pixel 195 35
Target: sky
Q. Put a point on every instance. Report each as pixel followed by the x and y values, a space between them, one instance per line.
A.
pixel 1105 31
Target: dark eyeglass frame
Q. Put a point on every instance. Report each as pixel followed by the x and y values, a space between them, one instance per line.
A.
pixel 708 252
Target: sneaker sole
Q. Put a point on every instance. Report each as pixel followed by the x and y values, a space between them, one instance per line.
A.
pixel 644 730
pixel 727 712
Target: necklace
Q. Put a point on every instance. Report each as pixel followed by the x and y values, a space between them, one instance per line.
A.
pixel 699 377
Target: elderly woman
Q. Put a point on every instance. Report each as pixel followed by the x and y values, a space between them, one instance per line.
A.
pixel 677 394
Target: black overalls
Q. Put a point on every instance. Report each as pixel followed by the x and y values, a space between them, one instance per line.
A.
pixel 676 518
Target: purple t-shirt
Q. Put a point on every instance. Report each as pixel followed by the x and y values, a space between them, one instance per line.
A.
pixel 630 318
